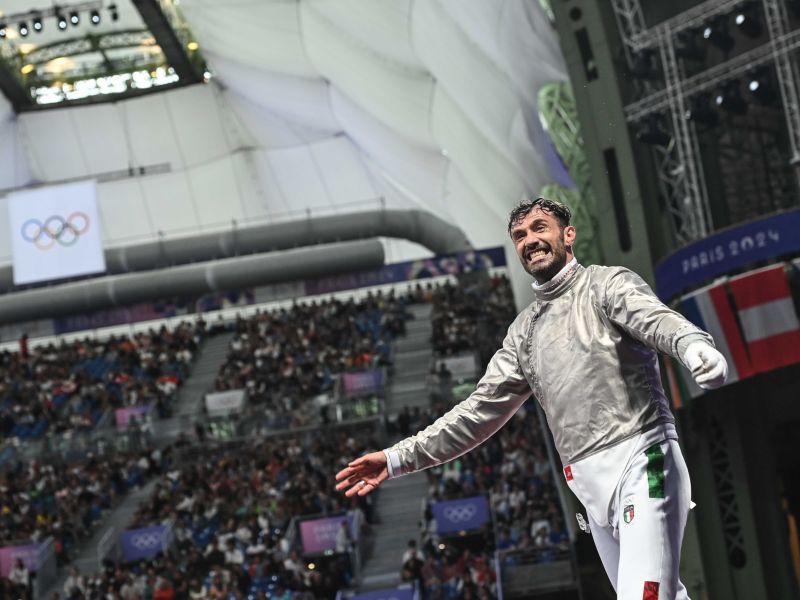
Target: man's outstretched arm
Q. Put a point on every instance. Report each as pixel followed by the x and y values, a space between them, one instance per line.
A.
pixel 631 304
pixel 499 394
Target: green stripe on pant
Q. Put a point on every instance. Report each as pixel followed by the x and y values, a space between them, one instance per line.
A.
pixel 655 471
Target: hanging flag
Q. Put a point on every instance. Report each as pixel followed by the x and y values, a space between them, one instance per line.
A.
pixel 710 309
pixel 768 317
pixel 681 385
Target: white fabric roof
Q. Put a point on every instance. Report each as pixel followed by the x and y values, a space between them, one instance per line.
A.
pixel 316 105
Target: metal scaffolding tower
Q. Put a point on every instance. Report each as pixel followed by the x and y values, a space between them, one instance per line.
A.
pixel 679 169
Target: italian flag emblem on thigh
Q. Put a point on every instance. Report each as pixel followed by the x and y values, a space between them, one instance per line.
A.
pixel 627 512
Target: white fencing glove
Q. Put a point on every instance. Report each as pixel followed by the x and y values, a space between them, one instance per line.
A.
pixel 709 368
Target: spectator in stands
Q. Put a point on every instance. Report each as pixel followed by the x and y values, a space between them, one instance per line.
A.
pixel 74 583
pixel 65 501
pixel 20 578
pixel 412 553
pixel 283 365
pixel 60 388
pixel 344 541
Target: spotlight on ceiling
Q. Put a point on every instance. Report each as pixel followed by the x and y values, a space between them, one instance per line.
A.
pixel 74 17
pixel 761 87
pixel 700 111
pixel 2 30
pixel 729 98
pixel 653 132
pixel 112 9
pixel 716 32
pixel 748 21
pixel 61 20
pixel 94 17
pixel 686 45
pixel 37 23
pixel 23 29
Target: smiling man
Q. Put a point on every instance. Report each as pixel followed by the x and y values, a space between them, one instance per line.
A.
pixel 586 348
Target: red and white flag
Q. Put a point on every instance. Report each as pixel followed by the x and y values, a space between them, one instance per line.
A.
pixel 768 317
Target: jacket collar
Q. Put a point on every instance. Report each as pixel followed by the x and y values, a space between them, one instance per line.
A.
pixel 560 283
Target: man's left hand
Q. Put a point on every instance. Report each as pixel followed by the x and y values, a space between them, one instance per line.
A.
pixel 709 368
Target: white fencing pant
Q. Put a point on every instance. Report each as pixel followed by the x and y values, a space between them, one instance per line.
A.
pixel 641 546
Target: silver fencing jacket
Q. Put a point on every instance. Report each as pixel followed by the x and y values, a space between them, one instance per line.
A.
pixel 587 349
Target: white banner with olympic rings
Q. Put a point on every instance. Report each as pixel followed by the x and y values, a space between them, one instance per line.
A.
pixel 55 232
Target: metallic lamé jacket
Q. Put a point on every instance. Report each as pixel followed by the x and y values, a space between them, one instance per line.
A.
pixel 587 349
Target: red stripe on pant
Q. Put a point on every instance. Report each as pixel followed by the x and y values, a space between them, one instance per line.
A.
pixel 650 590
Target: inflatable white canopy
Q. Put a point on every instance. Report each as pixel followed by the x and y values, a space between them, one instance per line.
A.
pixel 315 107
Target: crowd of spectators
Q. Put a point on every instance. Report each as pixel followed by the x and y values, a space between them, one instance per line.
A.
pixel 230 508
pixel 513 471
pixel 511 468
pixel 285 357
pixel 68 387
pixel 65 501
pixel 471 318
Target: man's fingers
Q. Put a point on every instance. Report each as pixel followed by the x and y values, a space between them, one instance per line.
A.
pixel 714 377
pixel 366 489
pixel 360 487
pixel 361 484
pixel 346 472
pixel 350 479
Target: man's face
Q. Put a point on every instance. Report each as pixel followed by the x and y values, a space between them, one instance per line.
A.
pixel 542 246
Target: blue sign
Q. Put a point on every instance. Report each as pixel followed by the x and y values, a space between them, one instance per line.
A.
pixel 453 516
pixel 387 594
pixel 447 264
pixel 363 382
pixel 728 250
pixel 143 543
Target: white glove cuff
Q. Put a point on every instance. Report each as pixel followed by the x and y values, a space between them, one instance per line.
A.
pixel 393 463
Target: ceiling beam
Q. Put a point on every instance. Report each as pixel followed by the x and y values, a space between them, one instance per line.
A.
pixel 156 21
pixel 13 89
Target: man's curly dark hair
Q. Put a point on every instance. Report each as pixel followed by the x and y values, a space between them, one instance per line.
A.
pixel 556 209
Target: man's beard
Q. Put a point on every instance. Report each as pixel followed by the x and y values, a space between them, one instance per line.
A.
pixel 547 269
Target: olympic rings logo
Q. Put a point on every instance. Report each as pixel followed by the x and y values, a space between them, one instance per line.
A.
pixel 55 230
pixel 144 541
pixel 460 514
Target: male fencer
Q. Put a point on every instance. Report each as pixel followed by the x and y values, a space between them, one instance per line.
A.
pixel 586 348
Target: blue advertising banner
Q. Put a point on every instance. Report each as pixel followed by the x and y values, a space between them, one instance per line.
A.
pixel 143 543
pixel 453 516
pixel 727 251
pixel 363 382
pixel 448 264
pixel 387 594
pixel 319 535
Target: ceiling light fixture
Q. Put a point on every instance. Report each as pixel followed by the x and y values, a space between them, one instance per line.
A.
pixel 730 99
pixel 74 17
pixel 94 17
pixel 23 29
pixel 748 21
pixel 716 32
